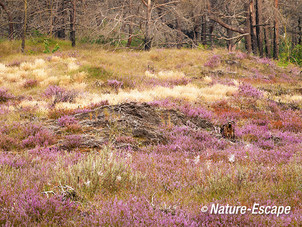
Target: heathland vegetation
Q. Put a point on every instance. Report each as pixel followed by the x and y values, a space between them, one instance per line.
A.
pixel 119 137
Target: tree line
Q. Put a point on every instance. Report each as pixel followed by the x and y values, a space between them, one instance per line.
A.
pixel 258 26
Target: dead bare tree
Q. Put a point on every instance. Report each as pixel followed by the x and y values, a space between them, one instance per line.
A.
pixel 24 27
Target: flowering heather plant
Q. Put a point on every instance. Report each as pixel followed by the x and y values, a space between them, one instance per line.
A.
pixel 59 94
pixel 248 90
pixel 213 62
pixel 72 141
pixel 42 138
pixel 30 83
pixel 241 55
pixel 67 120
pixel 70 123
pixel 4 109
pixel 266 61
pixel 115 84
pixel 200 112
pixel 189 140
pixel 4 95
pixel 16 136
pixel 14 63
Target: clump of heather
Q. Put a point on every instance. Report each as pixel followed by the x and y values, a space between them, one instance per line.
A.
pixel 70 123
pixel 31 207
pixel 266 61
pixel 59 94
pixel 98 104
pixel 30 83
pixel 4 95
pixel 248 90
pixel 67 120
pixel 72 141
pixel 14 63
pixel 16 136
pixel 4 109
pixel 186 139
pixel 137 211
pixel 41 138
pixel 241 55
pixel 192 111
pixel 213 62
pixel 115 84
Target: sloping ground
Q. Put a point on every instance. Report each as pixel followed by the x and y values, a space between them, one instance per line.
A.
pixel 128 124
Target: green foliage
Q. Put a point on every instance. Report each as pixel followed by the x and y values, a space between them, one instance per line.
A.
pixel 296 55
pixel 97 72
pixel 46 47
pixel 290 53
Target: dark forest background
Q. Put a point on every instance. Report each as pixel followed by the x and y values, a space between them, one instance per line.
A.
pixel 268 28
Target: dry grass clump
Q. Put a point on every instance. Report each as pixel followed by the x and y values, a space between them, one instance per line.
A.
pixel 188 92
pixel 165 74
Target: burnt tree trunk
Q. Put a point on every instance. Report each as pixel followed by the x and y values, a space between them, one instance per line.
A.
pixel 130 31
pixel 204 30
pixel 129 35
pixel 24 27
pixel 267 35
pixel 72 23
pixel 60 21
pixel 300 30
pixel 259 28
pixel 276 33
pixel 248 38
pixel 253 26
pixel 148 38
pixel 197 29
pixel 179 33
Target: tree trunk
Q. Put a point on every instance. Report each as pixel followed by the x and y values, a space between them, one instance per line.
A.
pixel 267 41
pixel 248 38
pixel 204 30
pixel 24 27
pixel 230 42
pixel 51 18
pixel 259 28
pixel 72 23
pixel 130 31
pixel 10 22
pixel 197 29
pixel 300 30
pixel 178 28
pixel 253 27
pixel 60 21
pixel 148 39
pixel 130 35
pixel 276 33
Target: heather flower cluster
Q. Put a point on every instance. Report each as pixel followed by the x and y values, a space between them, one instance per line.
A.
pixel 17 136
pixel 67 121
pixel 59 94
pixel 266 61
pixel 4 95
pixel 213 62
pixel 115 84
pixel 248 90
pixel 30 83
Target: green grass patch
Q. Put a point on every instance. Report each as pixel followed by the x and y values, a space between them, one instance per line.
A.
pixel 96 72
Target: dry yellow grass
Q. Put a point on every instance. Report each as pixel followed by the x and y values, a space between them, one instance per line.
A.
pixel 72 73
